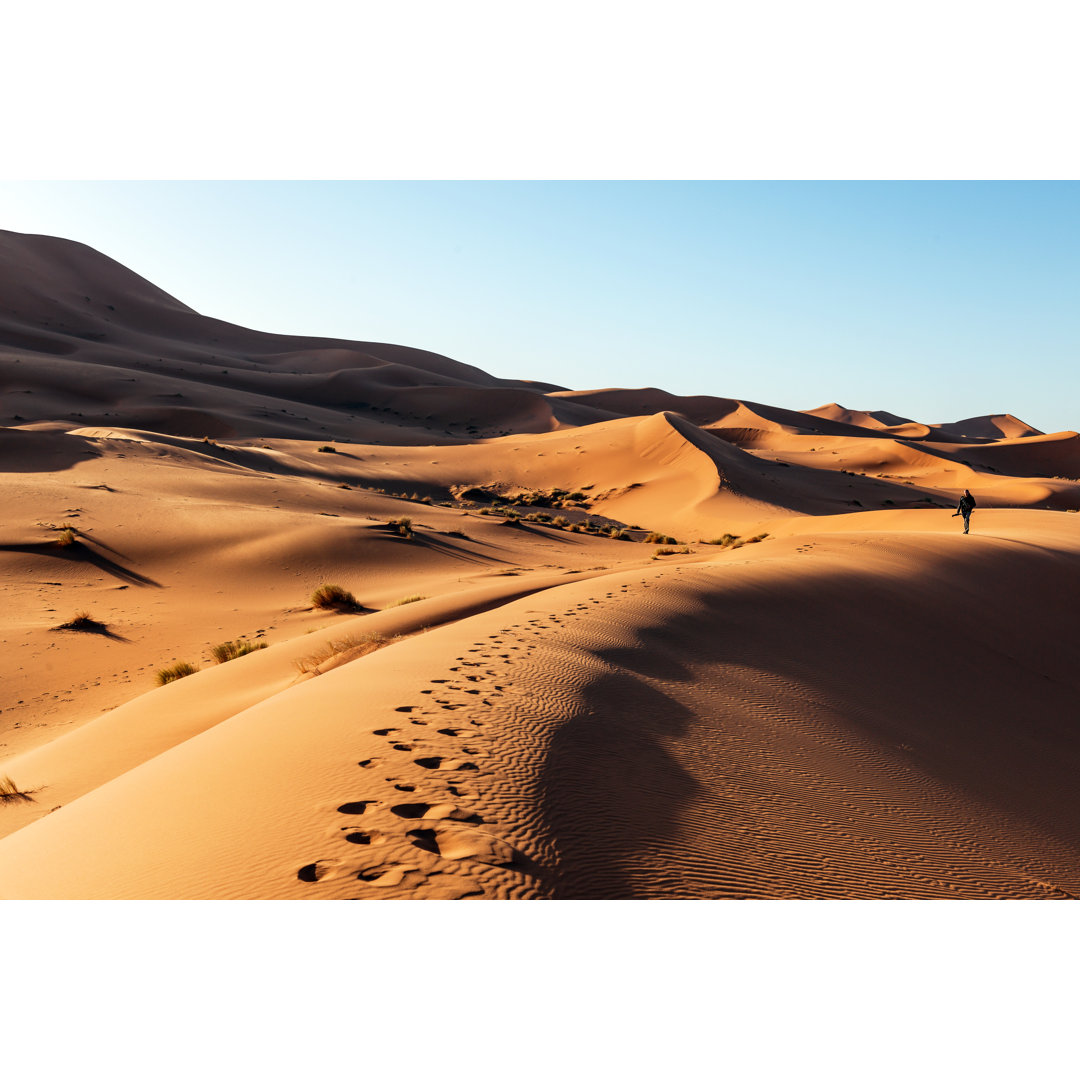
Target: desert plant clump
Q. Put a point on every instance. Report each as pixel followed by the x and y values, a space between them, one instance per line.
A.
pixel 407 600
pixel 404 525
pixel 327 450
pixel 84 621
pixel 333 598
pixel 230 650
pixel 66 537
pixel 357 646
pixel 757 539
pixel 561 521
pixel 459 533
pixel 11 792
pixel 180 670
pixel 723 541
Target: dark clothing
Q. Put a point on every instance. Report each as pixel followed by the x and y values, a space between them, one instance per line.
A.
pixel 967 504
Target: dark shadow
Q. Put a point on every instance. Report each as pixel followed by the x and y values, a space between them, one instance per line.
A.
pixel 611 792
pixel 78 552
pixel 90 626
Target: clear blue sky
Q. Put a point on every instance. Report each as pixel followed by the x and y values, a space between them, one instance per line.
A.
pixel 935 300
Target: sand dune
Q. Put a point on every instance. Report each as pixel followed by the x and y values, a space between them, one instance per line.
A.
pixel 843 697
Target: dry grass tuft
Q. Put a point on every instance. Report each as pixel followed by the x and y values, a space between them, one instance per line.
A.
pixel 10 791
pixel 407 600
pixel 404 525
pixel 180 670
pixel 334 598
pixel 66 537
pixel 327 450
pixel 84 621
pixel 659 538
pixel 230 650
pixel 722 541
pixel 350 648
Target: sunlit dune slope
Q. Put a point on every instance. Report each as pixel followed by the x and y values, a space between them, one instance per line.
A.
pixel 612 643
pixel 796 721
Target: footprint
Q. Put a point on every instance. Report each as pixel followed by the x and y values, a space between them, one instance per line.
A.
pixel 436 812
pixel 405 708
pixel 383 730
pixel 367 762
pixel 387 874
pixel 317 871
pixel 401 746
pixel 429 762
pixel 449 731
pixel 355 807
pixel 358 837
pixel 405 787
pixel 424 839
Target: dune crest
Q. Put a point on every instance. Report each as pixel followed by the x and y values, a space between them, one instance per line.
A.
pixel 580 644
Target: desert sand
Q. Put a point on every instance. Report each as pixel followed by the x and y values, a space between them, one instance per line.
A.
pixel 606 644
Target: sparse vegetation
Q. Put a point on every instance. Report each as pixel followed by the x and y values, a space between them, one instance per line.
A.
pixel 561 522
pixel 659 538
pixel 724 541
pixel 230 650
pixel 66 537
pixel 404 526
pixel 461 535
pixel 333 598
pixel 180 670
pixel 407 600
pixel 84 621
pixel 11 792
pixel 359 646
pixel 327 450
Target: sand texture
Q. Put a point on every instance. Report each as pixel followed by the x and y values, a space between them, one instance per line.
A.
pixel 624 644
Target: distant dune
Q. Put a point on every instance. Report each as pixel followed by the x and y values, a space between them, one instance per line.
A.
pixel 602 644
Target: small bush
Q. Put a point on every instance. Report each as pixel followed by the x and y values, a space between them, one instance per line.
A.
pixel 561 522
pixel 180 670
pixel 407 600
pixel 334 598
pixel 359 646
pixel 724 541
pixel 66 537
pixel 404 525
pixel 230 650
pixel 327 450
pixel 654 538
pixel 757 539
pixel 10 791
pixel 84 621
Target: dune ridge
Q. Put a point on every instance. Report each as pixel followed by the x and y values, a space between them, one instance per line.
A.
pixel 605 644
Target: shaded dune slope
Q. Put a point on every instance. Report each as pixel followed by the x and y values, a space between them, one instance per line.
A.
pixel 862 702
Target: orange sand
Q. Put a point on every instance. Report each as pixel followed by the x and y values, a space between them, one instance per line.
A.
pixel 865 703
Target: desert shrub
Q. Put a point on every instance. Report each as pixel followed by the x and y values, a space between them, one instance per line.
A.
pixel 724 541
pixel 664 551
pixel 408 600
pixel 333 598
pixel 654 538
pixel 181 669
pixel 458 533
pixel 757 539
pixel 620 534
pixel 361 645
pixel 10 791
pixel 230 650
pixel 561 521
pixel 404 526
pixel 66 537
pixel 327 450
pixel 83 620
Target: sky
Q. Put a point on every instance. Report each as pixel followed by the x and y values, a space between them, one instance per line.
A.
pixel 934 300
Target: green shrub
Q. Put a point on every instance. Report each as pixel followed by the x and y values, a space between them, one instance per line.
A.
pixel 180 670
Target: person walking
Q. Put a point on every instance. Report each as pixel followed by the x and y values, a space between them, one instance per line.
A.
pixel 966 505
